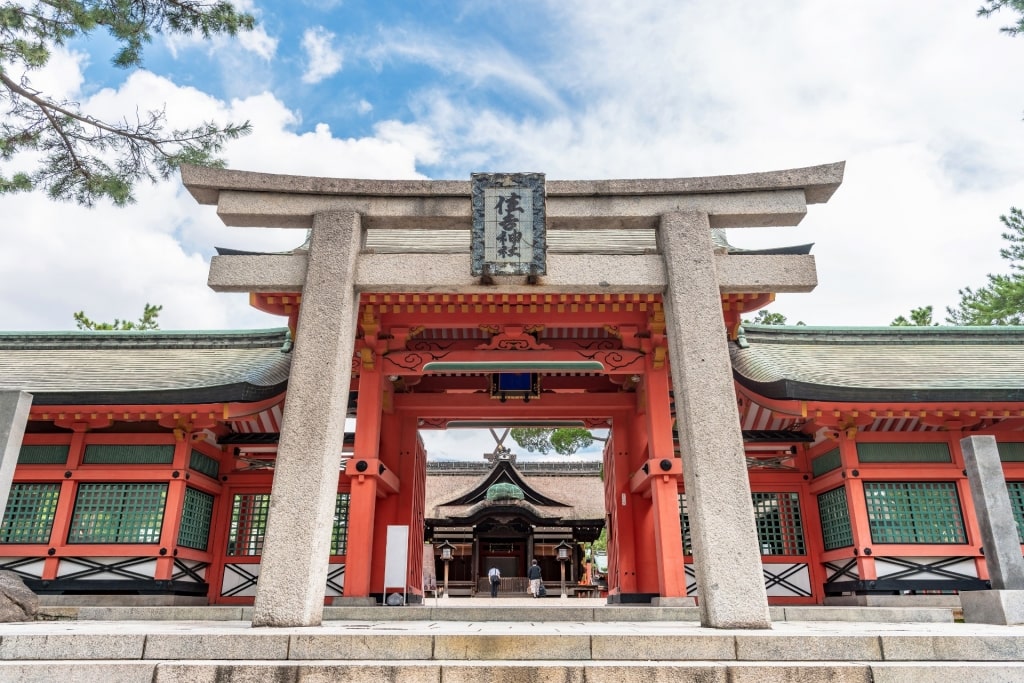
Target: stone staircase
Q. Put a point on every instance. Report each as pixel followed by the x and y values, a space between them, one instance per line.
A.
pixel 552 641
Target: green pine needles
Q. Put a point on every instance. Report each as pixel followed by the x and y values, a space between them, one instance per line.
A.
pixel 73 155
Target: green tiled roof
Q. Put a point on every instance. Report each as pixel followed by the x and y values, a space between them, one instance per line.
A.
pixel 907 364
pixel 144 367
pixel 904 364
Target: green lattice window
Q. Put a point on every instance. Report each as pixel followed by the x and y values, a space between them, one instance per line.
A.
pixel 1016 491
pixel 914 512
pixel 1012 451
pixel 835 519
pixel 118 513
pixel 28 517
pixel 780 529
pixel 903 452
pixel 127 454
pixel 248 524
pixel 684 525
pixel 195 520
pixel 826 463
pixel 39 454
pixel 201 462
pixel 339 537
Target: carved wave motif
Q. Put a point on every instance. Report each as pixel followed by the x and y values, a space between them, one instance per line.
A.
pixel 614 360
pixel 417 356
pixel 600 345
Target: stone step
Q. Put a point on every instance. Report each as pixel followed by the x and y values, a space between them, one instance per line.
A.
pixel 531 650
pixel 434 671
pixel 554 641
pixel 511 610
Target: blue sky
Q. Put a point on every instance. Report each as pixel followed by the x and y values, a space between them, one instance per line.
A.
pixel 920 98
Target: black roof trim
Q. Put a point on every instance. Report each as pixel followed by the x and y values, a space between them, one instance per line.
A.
pixel 794 250
pixel 802 391
pixel 264 438
pixel 775 436
pixel 239 392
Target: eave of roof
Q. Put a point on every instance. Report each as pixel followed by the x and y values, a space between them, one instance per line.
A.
pixel 145 368
pixel 899 364
pixel 504 471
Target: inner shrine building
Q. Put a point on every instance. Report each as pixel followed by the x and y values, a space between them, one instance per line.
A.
pixel 744 465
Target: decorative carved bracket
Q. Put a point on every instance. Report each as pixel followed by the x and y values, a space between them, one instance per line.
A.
pixel 513 338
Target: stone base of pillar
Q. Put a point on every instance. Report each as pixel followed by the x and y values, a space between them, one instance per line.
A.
pixel 673 602
pixel 950 601
pixel 341 601
pixel 631 598
pixel 993 607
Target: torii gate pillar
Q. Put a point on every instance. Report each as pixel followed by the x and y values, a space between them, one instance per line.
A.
pixel 290 590
pixel 14 409
pixel 726 561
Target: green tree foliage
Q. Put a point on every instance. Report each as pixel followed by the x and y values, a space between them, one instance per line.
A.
pixel 992 6
pixel 148 321
pixel 766 317
pixel 1001 301
pixel 601 544
pixel 564 441
pixel 77 156
pixel 919 317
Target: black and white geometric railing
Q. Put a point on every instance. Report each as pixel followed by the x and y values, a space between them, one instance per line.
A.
pixel 908 575
pixel 790 579
pixel 240 580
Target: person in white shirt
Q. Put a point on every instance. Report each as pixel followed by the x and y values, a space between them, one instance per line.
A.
pixel 495 576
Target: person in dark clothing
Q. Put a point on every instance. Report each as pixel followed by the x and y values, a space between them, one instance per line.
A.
pixel 533 574
pixel 495 577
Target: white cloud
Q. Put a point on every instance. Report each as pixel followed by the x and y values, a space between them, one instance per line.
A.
pixel 488 66
pixel 258 42
pixel 249 52
pixel 364 107
pixel 60 258
pixel 906 94
pixel 323 60
pixel 62 77
pixel 323 5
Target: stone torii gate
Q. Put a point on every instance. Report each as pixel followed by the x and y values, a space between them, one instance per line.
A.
pixel 347 217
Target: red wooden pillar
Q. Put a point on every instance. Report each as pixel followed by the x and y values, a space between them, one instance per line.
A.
pixel 664 486
pixel 859 524
pixel 611 516
pixel 389 508
pixel 413 475
pixel 621 541
pixel 174 507
pixel 645 551
pixel 363 497
pixel 403 455
pixel 65 503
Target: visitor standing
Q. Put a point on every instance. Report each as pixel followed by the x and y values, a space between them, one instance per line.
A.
pixel 533 574
pixel 495 576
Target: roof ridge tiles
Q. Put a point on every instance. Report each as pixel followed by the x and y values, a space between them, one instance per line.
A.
pixel 941 334
pixel 148 339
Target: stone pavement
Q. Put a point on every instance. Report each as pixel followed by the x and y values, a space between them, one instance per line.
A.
pixel 522 640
